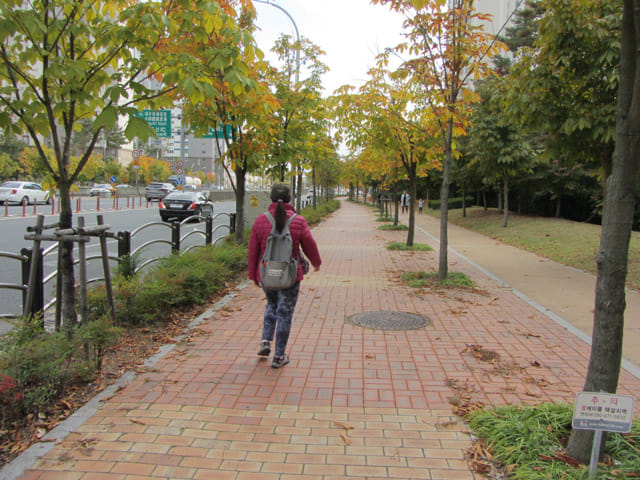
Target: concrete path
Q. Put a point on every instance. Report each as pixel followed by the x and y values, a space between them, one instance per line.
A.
pixel 353 403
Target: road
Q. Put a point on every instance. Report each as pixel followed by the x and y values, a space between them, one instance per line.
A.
pixel 13 227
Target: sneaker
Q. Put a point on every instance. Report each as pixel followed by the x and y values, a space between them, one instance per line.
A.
pixel 265 348
pixel 280 361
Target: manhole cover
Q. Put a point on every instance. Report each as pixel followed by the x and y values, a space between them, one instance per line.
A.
pixel 389 320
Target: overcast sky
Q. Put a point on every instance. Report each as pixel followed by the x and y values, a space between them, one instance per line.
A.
pixel 351 32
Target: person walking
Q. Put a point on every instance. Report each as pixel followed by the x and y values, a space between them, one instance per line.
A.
pixel 404 201
pixel 278 312
pixel 420 205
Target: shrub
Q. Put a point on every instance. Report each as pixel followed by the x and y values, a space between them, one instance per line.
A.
pixel 98 336
pixel 190 278
pixel 322 210
pixel 42 364
pixel 11 398
pixel 454 203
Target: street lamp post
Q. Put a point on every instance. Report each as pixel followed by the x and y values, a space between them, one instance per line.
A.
pixel 267 2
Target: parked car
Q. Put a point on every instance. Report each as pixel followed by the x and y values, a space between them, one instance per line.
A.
pixel 23 192
pixel 158 190
pixel 182 204
pixel 102 189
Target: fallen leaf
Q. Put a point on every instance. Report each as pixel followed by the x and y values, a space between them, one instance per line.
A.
pixel 343 425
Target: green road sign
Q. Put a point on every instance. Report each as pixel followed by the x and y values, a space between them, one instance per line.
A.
pixel 160 121
pixel 217 133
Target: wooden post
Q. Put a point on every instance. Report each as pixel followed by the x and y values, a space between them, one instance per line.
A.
pixel 107 271
pixel 82 258
pixel 35 254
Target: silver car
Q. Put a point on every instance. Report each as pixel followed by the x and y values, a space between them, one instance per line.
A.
pixel 158 190
pixel 23 192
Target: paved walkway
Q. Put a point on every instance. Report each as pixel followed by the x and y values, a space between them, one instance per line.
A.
pixel 564 293
pixel 354 402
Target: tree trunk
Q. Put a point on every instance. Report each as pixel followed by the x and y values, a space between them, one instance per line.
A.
pixel 443 265
pixel 396 203
pixel 500 206
pixel 464 202
pixel 299 190
pixel 505 192
pixel 67 274
pixel 558 206
pixel 617 220
pixel 241 173
pixel 413 188
pixel 313 180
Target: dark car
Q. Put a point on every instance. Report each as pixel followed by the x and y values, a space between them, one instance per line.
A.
pixel 180 205
pixel 158 190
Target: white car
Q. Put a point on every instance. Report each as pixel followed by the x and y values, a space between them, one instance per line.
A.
pixel 102 189
pixel 23 192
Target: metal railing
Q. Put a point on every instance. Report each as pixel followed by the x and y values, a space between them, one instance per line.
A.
pixel 34 278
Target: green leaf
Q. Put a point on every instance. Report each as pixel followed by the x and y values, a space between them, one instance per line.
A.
pixel 107 118
pixel 139 128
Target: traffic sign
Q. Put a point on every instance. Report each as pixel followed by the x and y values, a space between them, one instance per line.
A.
pixel 179 163
pixel 159 120
pixel 218 132
pixel 180 180
pixel 179 170
pixel 136 154
pixel 113 179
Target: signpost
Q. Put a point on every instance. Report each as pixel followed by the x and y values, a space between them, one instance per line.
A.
pixel 600 412
pixel 159 120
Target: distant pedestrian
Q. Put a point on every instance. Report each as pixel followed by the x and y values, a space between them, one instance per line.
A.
pixel 404 201
pixel 420 205
pixel 280 303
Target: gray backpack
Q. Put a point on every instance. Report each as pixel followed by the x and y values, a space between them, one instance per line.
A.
pixel 278 269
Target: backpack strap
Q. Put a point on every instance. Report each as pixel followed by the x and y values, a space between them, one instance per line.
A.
pixel 272 220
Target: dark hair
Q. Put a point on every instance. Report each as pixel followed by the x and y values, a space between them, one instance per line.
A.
pixel 280 193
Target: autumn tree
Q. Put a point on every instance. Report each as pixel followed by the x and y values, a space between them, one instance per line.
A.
pixel 448 47
pixel 298 93
pixel 619 201
pixel 9 168
pixel 241 117
pixel 64 61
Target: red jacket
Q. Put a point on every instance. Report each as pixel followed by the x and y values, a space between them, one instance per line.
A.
pixel 300 235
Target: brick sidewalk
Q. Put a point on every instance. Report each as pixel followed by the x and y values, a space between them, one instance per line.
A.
pixel 354 402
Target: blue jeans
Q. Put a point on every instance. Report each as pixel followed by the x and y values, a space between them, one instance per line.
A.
pixel 278 315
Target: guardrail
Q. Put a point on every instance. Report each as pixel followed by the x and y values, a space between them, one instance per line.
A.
pixel 33 281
